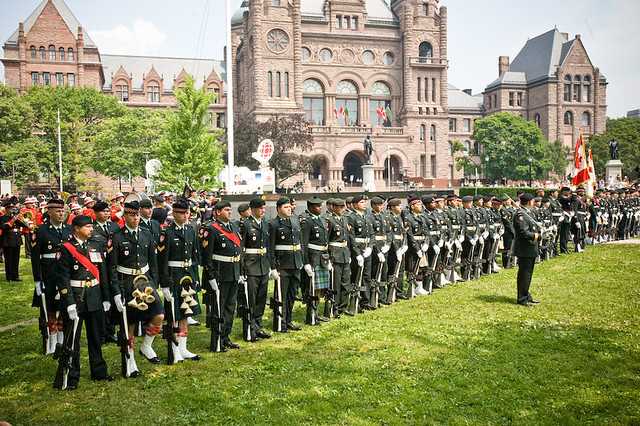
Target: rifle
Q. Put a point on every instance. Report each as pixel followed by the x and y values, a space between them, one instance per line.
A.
pixel 473 241
pixel 329 299
pixel 64 354
pixel 312 301
pixel 478 260
pixel 432 266
pixel 355 293
pixel 214 321
pixel 169 330
pixel 246 312
pixel 276 305
pixel 391 297
pixel 129 367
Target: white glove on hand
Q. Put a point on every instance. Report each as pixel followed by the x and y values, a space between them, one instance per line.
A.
pixel 367 252
pixel 119 303
pixel 242 280
pixel 436 249
pixel 274 274
pixel 166 292
pixel 360 260
pixel 106 305
pixel 420 254
pixel 213 284
pixel 425 247
pixel 385 248
pixel 404 249
pixel 381 257
pixel 399 253
pixel 38 288
pixel 308 269
pixel 440 243
pixel 330 266
pixel 73 312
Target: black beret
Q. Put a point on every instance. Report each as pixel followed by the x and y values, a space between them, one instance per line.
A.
pixel 394 202
pixel 180 205
pixel 81 220
pixel 57 203
pixel 99 206
pixel 546 199
pixel 377 201
pixel 314 200
pixel 526 197
pixel 467 198
pixel 222 204
pixel 256 203
pixel 282 201
pixel 487 198
pixel 413 199
pixel 132 205
pixel 565 189
pixel 243 207
pixel 427 199
pixel 359 197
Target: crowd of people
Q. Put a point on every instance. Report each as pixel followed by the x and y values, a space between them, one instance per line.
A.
pixel 139 267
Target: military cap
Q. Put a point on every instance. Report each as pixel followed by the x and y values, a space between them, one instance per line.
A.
pixel 478 198
pixel 376 201
pixel 412 199
pixel 339 202
pixel 330 202
pixel 496 200
pixel 181 205
pixel 565 189
pixel 158 199
pixel 81 220
pixel 427 199
pixel 132 206
pixel 394 202
pixel 243 207
pixel 526 197
pixel 99 206
pixel 546 199
pixel 222 204
pixel 56 203
pixel 349 200
pixel 467 198
pixel 314 200
pixel 256 203
pixel 451 197
pixel 487 198
pixel 580 189
pixel 146 204
pixel 437 197
pixel 115 197
pixel 504 197
pixel 359 197
pixel 282 201
pixel 538 199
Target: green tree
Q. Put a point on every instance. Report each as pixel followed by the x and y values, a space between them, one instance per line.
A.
pixel 189 152
pixel 627 132
pixel 291 139
pixel 510 142
pixel 124 143
pixel 462 158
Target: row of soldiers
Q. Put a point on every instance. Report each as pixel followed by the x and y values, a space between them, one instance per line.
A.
pixel 353 257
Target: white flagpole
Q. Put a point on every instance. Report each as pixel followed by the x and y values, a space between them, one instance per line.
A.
pixel 230 153
pixel 59 152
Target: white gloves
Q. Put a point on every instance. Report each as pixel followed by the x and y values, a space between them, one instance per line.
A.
pixel 274 274
pixel 425 247
pixel 360 260
pixel 461 238
pixel 242 280
pixel 330 266
pixel 436 248
pixel 440 243
pixel 381 257
pixel 119 303
pixel 367 252
pixel 106 305
pixel 38 288
pixel 166 292
pixel 420 254
pixel 385 248
pixel 73 312
pixel 308 269
pixel 485 234
pixel 213 284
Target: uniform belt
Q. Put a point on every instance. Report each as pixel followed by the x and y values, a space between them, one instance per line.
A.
pixel 260 251
pixel 228 259
pixel 380 237
pixel 434 233
pixel 418 237
pixel 455 226
pixel 48 256
pixel 361 240
pixel 179 263
pixel 132 271
pixel 398 237
pixel 83 283
pixel 556 214
pixel 471 228
pixel 341 244
pixel 287 247
pixel 317 247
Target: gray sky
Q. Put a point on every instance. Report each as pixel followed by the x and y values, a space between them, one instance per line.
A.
pixel 479 31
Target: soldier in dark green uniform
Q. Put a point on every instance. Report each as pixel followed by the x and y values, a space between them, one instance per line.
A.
pixel 147 222
pixel 525 247
pixel 506 214
pixel 285 258
pixel 360 228
pixel 254 263
pixel 178 260
pixel 339 241
pixel 381 243
pixel 471 235
pixel 397 251
pixel 416 241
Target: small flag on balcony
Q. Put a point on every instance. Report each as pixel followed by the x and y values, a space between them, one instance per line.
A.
pixel 339 112
pixel 345 111
pixel 388 114
pixel 381 114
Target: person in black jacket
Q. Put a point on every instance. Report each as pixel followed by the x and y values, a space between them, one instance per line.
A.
pixel 525 247
pixel 147 221
pixel 10 229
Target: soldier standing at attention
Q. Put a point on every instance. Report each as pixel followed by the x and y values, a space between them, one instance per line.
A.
pixel 339 238
pixel 395 258
pixel 360 250
pixel 525 247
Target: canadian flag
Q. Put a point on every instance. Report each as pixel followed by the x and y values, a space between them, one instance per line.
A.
pixel 580 163
pixel 591 185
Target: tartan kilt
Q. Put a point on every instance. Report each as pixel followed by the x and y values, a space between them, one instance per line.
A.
pixel 322 279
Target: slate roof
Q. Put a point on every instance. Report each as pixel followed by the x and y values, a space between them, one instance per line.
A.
pixel 461 100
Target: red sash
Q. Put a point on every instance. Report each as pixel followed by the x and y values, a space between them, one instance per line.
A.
pixel 231 236
pixel 93 269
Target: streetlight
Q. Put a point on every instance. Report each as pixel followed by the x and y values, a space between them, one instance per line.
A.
pixel 486 167
pixel 530 173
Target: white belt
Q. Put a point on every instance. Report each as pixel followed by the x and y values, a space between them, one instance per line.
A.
pixel 131 271
pixel 179 263
pixel 361 240
pixel 556 214
pixel 48 256
pixel 471 228
pixel 260 251
pixel 317 247
pixel 341 244
pixel 398 237
pixel 455 226
pixel 228 259
pixel 287 247
pixel 380 237
pixel 418 237
pixel 83 283
pixel 434 233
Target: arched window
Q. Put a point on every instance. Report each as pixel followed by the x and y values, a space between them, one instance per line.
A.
pixel 586 118
pixel 61 53
pixel 425 50
pixel 577 88
pixel 270 84
pixel 278 84
pixel 568 118
pixel 587 88
pixel 52 53
pixel 70 55
pixel 153 92
pixel 313 100
pixel 122 91
pixel 567 88
pixel 347 103
pixel 380 105
pixel 538 120
pixel 34 53
pixel 423 132
pixel 286 84
pixel 476 148
pixel 432 133
pixel 43 54
pixel 467 147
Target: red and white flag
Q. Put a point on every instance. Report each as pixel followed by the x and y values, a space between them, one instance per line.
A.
pixel 580 163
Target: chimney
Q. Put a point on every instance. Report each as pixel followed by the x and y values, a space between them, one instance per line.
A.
pixel 503 65
pixel 467 91
pixel 20 30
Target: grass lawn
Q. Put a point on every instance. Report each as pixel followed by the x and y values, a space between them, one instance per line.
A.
pixel 465 355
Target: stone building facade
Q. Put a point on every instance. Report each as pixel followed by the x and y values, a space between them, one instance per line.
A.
pixel 52 48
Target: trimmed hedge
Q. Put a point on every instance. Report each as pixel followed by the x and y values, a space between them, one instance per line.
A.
pixel 499 190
